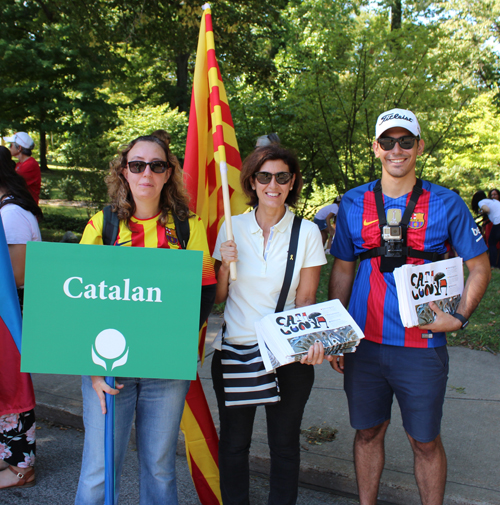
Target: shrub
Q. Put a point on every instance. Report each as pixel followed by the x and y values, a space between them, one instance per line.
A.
pixel 46 189
pixel 69 187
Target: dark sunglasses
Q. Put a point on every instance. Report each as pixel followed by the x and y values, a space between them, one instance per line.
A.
pixel 388 143
pixel 266 177
pixel 158 167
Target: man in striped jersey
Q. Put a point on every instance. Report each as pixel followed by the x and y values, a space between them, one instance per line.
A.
pixel 388 223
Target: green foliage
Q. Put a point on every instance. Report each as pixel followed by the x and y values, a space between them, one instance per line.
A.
pixel 70 187
pixel 470 157
pixel 47 189
pixel 64 223
pixel 135 121
pixel 93 189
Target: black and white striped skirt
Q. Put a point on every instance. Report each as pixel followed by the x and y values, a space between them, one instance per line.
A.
pixel 246 382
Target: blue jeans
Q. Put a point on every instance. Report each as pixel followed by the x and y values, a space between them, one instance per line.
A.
pixel 283 435
pixel 158 405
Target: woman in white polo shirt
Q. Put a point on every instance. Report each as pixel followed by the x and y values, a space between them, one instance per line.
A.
pixel 271 178
pixel 491 207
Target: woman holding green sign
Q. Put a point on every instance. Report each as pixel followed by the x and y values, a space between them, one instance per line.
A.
pixel 150 209
pixel 271 278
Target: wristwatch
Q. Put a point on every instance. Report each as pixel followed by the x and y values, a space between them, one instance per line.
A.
pixel 462 319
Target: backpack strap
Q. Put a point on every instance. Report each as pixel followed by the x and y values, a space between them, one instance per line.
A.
pixel 110 226
pixel 290 263
pixel 182 231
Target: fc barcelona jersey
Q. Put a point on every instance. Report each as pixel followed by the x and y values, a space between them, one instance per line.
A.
pixel 150 233
pixel 440 220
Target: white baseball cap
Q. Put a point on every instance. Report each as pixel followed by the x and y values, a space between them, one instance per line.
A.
pixel 21 139
pixel 395 118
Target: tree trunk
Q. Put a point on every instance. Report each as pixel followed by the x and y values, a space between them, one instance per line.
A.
pixel 396 13
pixel 181 61
pixel 43 151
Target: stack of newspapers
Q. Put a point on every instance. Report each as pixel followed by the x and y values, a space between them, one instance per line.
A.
pixel 441 282
pixel 285 337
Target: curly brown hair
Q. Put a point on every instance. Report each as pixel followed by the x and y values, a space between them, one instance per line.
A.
pixel 253 163
pixel 173 197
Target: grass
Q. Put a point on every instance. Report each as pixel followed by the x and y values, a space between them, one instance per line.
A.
pixel 483 331
pixel 58 220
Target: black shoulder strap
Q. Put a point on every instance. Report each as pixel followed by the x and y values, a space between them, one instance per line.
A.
pixel 379 201
pixel 407 251
pixel 415 194
pixel 290 263
pixel 182 231
pixel 110 226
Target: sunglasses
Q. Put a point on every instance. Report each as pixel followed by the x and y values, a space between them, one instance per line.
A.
pixel 388 143
pixel 158 167
pixel 266 177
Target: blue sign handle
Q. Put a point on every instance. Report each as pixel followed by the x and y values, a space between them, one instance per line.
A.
pixel 109 446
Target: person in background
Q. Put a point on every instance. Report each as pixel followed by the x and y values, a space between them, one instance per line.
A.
pixel 493 194
pixel 267 140
pixel 19 214
pixel 146 190
pixel 21 145
pixel 325 219
pixel 482 205
pixel 270 176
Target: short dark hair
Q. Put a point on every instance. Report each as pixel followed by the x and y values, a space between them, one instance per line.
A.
pixel 253 163
pixel 491 191
pixel 478 196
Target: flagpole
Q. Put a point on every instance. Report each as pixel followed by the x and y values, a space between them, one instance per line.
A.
pixel 109 446
pixel 227 212
pixel 221 149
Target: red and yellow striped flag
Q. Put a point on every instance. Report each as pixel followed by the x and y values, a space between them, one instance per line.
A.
pixel 211 140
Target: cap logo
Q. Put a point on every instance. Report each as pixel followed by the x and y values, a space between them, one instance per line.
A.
pixel 393 115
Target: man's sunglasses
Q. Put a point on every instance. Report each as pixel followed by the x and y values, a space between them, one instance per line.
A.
pixel 388 143
pixel 158 167
pixel 266 177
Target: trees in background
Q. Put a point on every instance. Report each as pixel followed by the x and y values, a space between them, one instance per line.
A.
pixel 317 72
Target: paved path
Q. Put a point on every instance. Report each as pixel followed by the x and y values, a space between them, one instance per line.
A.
pixel 470 430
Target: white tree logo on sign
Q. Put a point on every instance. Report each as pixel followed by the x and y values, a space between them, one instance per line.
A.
pixel 109 345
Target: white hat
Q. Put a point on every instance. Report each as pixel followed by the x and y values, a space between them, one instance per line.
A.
pixel 21 139
pixel 397 118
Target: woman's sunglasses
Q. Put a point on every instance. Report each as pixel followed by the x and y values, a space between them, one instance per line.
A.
pixel 388 143
pixel 158 167
pixel 266 177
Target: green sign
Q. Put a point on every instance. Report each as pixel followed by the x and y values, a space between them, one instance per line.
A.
pixel 113 311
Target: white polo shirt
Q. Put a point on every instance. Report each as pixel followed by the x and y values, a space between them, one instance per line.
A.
pixel 494 206
pixel 260 276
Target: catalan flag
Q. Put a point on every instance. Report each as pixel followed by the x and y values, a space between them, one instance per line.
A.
pixel 16 393
pixel 211 142
pixel 211 139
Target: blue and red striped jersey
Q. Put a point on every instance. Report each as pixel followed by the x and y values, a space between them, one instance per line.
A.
pixel 440 220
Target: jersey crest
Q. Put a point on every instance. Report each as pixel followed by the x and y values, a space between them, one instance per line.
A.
pixel 417 221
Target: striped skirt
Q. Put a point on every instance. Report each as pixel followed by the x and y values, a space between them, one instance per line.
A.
pixel 246 382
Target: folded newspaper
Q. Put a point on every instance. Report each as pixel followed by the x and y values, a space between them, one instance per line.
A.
pixel 441 282
pixel 285 337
